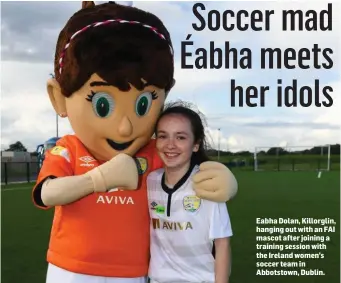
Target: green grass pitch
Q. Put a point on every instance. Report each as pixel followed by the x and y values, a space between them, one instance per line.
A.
pixel 25 229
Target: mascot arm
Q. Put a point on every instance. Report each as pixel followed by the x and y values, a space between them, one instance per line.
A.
pixel 65 190
pixel 121 171
pixel 215 182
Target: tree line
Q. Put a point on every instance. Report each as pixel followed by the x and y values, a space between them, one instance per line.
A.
pixel 317 150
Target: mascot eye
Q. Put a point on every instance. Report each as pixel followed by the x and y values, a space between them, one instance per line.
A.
pixel 143 103
pixel 103 104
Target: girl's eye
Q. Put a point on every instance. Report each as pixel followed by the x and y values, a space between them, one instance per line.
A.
pixel 103 104
pixel 143 103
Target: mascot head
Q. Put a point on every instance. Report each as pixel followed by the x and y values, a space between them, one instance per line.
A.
pixel 113 69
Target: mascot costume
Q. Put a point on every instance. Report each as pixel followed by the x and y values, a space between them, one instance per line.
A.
pixel 113 70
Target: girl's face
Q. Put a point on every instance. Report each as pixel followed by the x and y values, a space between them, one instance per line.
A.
pixel 175 141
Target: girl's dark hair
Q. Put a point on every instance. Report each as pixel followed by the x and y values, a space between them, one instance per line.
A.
pixel 121 54
pixel 197 125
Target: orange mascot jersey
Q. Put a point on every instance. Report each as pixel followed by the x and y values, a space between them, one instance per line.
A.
pixel 103 234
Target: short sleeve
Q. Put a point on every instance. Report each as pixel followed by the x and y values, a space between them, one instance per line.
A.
pixel 220 224
pixel 56 164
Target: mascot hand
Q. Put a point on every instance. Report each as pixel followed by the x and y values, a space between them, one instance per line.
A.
pixel 214 182
pixel 121 171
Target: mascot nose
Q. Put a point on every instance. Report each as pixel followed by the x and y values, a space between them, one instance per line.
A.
pixel 125 128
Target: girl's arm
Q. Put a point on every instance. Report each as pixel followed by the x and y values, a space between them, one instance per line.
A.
pixel 222 260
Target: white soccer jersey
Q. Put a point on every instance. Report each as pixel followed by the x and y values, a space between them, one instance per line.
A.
pixel 183 228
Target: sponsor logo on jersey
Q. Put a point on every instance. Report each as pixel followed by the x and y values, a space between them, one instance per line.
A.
pixel 159 209
pixel 112 199
pixel 191 203
pixel 173 226
pixel 61 151
pixel 142 164
pixel 87 161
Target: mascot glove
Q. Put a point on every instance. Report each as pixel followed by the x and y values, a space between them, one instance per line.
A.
pixel 121 171
pixel 214 182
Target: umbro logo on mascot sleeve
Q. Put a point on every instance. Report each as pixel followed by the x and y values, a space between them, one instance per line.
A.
pixel 87 161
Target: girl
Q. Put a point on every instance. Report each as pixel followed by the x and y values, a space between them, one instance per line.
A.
pixel 183 227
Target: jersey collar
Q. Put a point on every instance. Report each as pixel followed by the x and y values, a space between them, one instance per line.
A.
pixel 179 183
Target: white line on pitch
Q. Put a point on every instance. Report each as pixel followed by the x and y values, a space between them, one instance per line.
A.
pixel 16 189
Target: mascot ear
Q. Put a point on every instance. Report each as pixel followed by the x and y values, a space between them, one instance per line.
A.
pixel 88 4
pixel 56 97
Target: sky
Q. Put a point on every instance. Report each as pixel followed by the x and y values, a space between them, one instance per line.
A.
pixel 29 31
